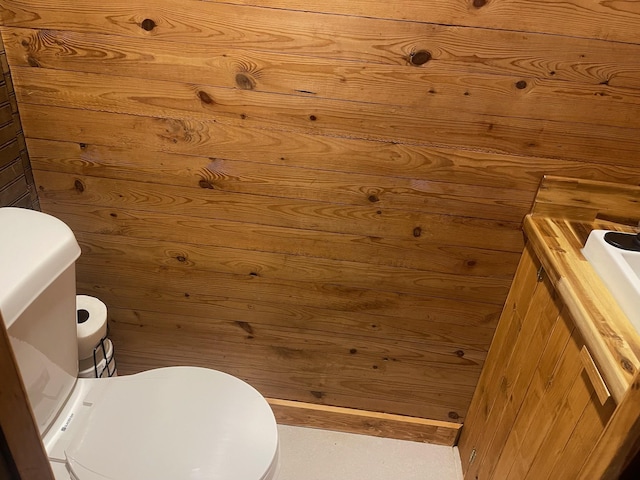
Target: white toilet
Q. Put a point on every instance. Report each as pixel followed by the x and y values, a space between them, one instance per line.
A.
pixel 175 423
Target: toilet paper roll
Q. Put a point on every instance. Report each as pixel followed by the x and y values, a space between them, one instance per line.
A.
pixel 91 323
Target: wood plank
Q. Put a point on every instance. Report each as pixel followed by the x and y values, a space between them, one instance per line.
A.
pixel 14 190
pixel 364 422
pixel 550 385
pixel 486 93
pixel 239 108
pixel 329 153
pixel 292 213
pixel 286 30
pixel 407 253
pixel 449 328
pixel 282 180
pixel 575 18
pixel 190 259
pixel 618 443
pixel 517 375
pixel 524 285
pixel 557 437
pixel 9 153
pixel 583 438
pixel 16 416
pixel 596 314
pixel 574 198
pixel 165 283
pixel 290 372
pixel 354 349
pixel 338 338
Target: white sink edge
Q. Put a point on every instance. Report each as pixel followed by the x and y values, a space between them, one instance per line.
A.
pixel 616 274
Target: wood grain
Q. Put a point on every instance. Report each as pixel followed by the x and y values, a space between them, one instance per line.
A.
pixel 410 252
pixel 193 260
pixel 233 110
pixel 514 95
pixel 610 21
pixel 595 312
pixel 587 200
pixel 406 193
pixel 292 213
pixel 286 29
pixel 339 176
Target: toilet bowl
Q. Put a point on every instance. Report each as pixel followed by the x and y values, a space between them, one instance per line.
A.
pixel 165 424
pixel 173 423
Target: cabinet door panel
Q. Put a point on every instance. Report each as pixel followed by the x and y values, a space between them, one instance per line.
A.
pixel 536 413
pixel 517 303
pixel 517 373
pixel 547 390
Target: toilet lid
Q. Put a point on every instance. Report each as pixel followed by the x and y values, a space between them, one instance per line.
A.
pixel 175 423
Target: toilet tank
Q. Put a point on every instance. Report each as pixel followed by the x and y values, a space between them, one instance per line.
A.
pixel 38 305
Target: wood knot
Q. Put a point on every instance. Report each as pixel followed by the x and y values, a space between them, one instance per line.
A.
pixel 147 24
pixel 181 258
pixel 353 351
pixel 205 184
pixel 246 326
pixel 316 393
pixel 627 365
pixel 521 85
pixel 373 198
pixel 460 353
pixel 83 146
pixel 79 186
pixel 313 118
pixel 420 57
pixel 479 3
pixel 32 61
pixel 245 82
pixel 453 415
pixel 417 232
pixel 204 97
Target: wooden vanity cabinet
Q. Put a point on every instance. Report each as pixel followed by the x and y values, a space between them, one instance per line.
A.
pixel 541 403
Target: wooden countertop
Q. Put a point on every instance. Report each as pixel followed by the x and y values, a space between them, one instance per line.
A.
pixel 612 339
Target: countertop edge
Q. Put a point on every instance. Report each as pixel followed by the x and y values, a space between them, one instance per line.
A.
pixel 607 331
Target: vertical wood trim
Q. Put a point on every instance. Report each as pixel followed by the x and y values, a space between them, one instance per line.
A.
pixel 594 375
pixel 16 418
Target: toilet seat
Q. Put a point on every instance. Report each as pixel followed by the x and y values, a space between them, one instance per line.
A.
pixel 170 423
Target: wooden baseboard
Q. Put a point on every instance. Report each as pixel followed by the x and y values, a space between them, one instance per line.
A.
pixel 364 422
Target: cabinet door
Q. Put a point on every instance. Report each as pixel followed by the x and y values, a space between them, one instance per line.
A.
pixel 535 413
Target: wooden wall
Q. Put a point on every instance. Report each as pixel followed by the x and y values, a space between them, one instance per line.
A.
pixel 321 197
pixel 17 187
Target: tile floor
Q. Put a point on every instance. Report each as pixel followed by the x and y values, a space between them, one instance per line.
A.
pixel 312 454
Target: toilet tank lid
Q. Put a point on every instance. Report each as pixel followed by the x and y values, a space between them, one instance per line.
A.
pixel 35 248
